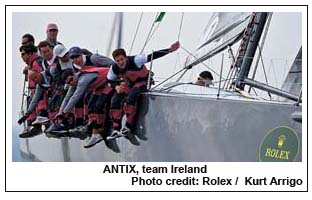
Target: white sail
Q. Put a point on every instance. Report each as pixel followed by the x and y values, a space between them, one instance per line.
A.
pixel 223 29
pixel 293 81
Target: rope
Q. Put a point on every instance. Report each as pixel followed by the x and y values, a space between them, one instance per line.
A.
pixel 136 32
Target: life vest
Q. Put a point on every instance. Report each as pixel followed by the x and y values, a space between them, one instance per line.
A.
pixel 132 73
pixel 50 72
pixel 102 75
pixel 132 77
pixel 36 64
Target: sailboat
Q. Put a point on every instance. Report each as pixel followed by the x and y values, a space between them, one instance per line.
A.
pixel 184 122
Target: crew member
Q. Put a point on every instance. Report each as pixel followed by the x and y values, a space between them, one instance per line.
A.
pixel 135 75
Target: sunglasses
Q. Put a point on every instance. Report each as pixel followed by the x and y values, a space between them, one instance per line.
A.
pixel 22 54
pixel 75 56
pixel 23 43
pixel 53 30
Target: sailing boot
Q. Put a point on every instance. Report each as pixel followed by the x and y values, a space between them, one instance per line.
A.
pixel 54 127
pixel 114 135
pixel 57 130
pixel 127 133
pixel 140 132
pixel 112 144
pixel 116 115
pixel 34 131
pixel 93 140
pixel 40 120
pixel 81 132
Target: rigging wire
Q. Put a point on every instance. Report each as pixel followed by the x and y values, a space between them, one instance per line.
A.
pixel 149 33
pixel 286 67
pixel 185 70
pixel 274 73
pixel 265 74
pixel 158 23
pixel 231 56
pixel 152 34
pixel 136 32
pixel 168 78
pixel 182 17
pixel 201 62
pixel 176 62
pixel 178 54
pixel 109 46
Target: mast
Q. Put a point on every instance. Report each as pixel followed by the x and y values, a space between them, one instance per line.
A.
pixel 247 52
pixel 120 23
pixel 249 46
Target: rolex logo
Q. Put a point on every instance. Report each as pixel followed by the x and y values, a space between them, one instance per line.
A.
pixel 279 145
pixel 281 140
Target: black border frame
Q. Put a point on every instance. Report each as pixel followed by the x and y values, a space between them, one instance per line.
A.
pixel 183 5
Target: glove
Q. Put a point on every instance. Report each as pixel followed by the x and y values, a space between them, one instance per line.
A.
pixel 22 119
pixel 175 46
pixel 122 88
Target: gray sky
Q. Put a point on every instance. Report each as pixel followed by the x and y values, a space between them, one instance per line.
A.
pixel 92 31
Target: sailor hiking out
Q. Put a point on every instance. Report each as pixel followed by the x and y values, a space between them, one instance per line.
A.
pixel 89 79
pixel 43 86
pixel 132 70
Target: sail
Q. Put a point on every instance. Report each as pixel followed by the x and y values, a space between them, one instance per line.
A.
pixel 223 29
pixel 293 81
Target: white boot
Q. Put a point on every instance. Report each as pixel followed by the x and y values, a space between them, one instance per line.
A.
pixel 113 135
pixel 93 140
pixel 41 120
pixel 124 131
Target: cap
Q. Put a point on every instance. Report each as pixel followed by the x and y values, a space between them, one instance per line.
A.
pixel 52 26
pixel 74 51
pixel 58 51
